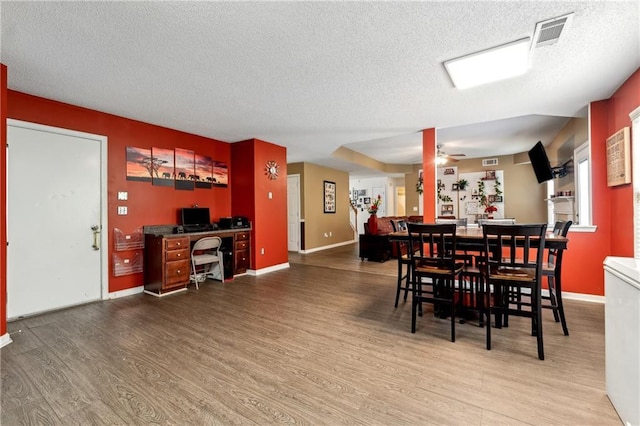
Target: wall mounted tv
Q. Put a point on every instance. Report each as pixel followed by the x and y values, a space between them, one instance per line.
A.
pixel 196 216
pixel 540 163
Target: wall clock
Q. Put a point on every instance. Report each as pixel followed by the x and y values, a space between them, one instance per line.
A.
pixel 271 170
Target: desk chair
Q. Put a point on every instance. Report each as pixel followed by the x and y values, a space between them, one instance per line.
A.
pixel 435 261
pixel 552 270
pixel 206 260
pixel 515 254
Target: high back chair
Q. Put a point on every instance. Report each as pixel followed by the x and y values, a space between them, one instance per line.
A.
pixel 404 262
pixel 434 269
pixel 514 266
pixel 206 260
pixel 552 270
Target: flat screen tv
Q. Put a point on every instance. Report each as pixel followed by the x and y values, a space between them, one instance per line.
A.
pixel 196 216
pixel 540 163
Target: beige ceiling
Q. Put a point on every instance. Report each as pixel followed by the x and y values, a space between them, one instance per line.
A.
pixel 315 76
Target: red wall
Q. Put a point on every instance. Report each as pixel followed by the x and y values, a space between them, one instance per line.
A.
pixel 268 215
pixel 147 204
pixel 3 200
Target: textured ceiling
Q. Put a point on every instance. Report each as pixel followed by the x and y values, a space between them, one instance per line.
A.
pixel 314 76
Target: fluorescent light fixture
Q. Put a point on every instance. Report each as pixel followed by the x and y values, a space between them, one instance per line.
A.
pixel 497 63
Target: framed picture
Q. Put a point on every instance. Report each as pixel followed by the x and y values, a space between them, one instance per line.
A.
pixel 490 175
pixel 367 200
pixel 497 198
pixel 449 171
pixel 362 192
pixel 448 208
pixel 454 187
pixel 354 194
pixel 618 158
pixel 329 197
pixel 491 198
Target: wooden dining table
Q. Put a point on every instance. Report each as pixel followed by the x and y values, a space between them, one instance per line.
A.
pixel 473 237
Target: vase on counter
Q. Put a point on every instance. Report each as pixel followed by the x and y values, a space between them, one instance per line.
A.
pixel 373 224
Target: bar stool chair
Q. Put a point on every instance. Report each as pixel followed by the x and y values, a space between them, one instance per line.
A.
pixel 404 262
pixel 552 270
pixel 511 268
pixel 206 260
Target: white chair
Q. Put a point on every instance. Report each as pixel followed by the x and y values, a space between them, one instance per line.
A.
pixel 206 260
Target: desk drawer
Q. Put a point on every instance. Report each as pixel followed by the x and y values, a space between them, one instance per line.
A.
pixel 181 254
pixel 176 243
pixel 177 272
pixel 242 245
pixel 242 236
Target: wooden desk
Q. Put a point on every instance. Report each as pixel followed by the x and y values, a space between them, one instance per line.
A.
pixel 167 263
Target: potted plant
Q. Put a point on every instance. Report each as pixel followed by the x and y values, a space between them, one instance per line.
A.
pixel 373 219
pixel 462 184
pixel 490 210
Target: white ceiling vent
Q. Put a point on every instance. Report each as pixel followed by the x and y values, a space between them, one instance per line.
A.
pixel 548 32
pixel 488 162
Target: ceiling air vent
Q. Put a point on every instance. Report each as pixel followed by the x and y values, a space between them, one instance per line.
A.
pixel 489 162
pixel 548 32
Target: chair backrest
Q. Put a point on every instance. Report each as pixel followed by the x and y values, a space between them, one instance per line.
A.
pixel 506 221
pixel 399 225
pixel 561 227
pixel 515 246
pixel 554 258
pixel 207 243
pixel 435 245
pixel 459 222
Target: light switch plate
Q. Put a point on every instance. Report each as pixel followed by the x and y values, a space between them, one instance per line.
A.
pixel 123 195
pixel 122 210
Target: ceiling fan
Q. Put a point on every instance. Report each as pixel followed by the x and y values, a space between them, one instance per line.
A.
pixel 442 157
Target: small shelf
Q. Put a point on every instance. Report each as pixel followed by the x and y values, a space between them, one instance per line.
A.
pixel 561 198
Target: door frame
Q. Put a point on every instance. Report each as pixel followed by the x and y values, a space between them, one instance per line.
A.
pixel 295 177
pixel 104 238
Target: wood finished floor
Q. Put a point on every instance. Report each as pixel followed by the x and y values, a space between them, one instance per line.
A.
pixel 319 343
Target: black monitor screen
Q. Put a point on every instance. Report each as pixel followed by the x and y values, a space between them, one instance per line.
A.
pixel 540 162
pixel 196 216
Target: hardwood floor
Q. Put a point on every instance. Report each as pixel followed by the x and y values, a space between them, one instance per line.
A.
pixel 319 343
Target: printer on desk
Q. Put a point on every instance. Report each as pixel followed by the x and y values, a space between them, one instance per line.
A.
pixel 233 222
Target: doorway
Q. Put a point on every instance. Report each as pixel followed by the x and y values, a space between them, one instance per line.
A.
pixel 56 194
pixel 293 212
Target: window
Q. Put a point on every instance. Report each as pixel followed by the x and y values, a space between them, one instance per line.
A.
pixel 582 164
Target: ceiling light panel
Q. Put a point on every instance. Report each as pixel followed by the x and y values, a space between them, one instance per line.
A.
pixel 495 64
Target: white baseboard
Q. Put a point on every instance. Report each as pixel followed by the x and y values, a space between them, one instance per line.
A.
pixel 578 296
pixel 170 293
pixel 267 270
pixel 5 339
pixel 344 243
pixel 125 293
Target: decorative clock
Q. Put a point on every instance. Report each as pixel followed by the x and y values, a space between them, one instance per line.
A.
pixel 271 170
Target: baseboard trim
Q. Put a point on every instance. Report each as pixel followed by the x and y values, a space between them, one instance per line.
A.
pixel 344 243
pixel 578 296
pixel 5 339
pixel 125 293
pixel 273 268
pixel 170 293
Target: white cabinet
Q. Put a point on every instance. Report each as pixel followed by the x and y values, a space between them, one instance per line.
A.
pixel 622 336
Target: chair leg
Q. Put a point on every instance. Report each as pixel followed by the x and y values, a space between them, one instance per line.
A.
pixel 453 320
pixel 538 319
pixel 408 282
pixel 563 320
pixel 414 305
pixel 553 299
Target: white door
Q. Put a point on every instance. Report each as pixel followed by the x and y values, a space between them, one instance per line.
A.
pixel 293 211
pixel 54 198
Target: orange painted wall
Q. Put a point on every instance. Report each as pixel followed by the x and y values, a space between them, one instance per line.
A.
pixel 147 204
pixel 268 215
pixel 3 200
pixel 429 174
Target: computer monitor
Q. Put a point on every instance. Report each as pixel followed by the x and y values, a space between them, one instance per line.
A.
pixel 196 216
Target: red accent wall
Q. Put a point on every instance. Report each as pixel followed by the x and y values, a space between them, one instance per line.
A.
pixel 3 200
pixel 147 204
pixel 623 102
pixel 429 174
pixel 268 215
